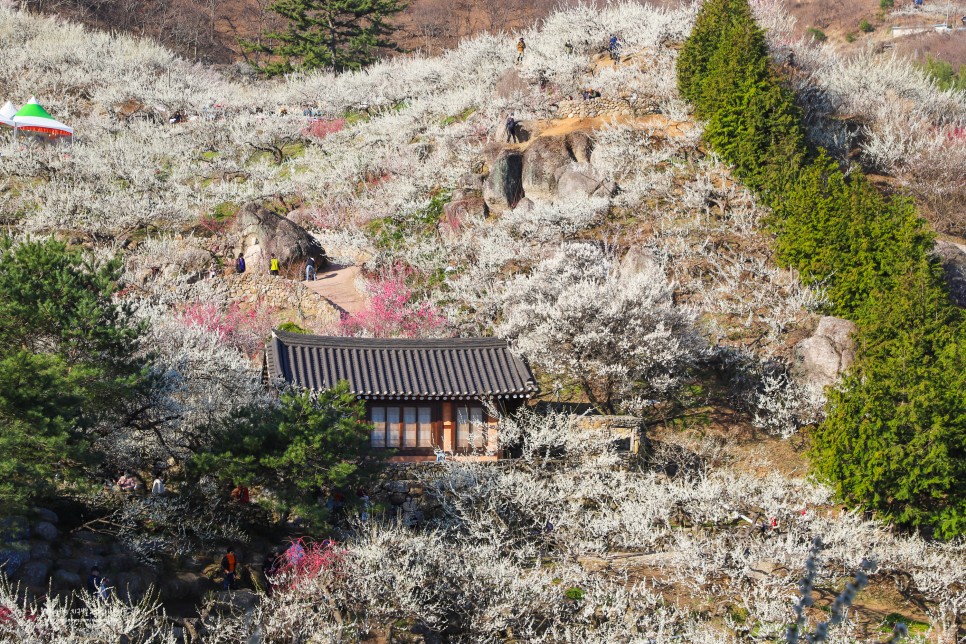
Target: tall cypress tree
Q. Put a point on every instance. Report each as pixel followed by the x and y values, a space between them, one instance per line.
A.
pixel 336 34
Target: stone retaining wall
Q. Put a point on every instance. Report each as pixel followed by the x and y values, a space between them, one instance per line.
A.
pixel 605 106
pixel 280 294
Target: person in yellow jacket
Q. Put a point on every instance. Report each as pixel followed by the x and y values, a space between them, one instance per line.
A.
pixel 273 265
pixel 521 47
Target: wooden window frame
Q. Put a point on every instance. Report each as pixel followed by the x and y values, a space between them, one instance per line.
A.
pixel 435 424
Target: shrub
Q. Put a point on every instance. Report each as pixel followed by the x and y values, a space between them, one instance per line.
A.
pixel 817 34
pixel 943 74
pixel 866 27
pixel 887 4
pixel 321 128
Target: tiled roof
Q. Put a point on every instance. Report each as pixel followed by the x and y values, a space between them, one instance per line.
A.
pixel 376 368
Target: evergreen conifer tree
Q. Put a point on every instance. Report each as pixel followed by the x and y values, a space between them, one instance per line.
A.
pixel 336 34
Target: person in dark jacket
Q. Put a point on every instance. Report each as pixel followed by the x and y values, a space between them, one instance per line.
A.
pixel 94 581
pixel 240 264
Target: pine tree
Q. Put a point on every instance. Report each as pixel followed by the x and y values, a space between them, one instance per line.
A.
pixel 696 68
pixel 334 34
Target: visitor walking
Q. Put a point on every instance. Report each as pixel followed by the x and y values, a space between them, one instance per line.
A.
pixel 511 130
pixel 157 488
pixel 273 265
pixel 615 48
pixel 521 48
pixel 94 582
pixel 240 264
pixel 310 270
pixel 271 564
pixel 228 566
pixel 212 270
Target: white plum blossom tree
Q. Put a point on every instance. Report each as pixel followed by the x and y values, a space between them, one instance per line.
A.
pixel 613 329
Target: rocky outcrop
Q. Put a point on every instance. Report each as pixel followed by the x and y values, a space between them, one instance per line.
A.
pixel 582 180
pixel 503 187
pixel 953 258
pixel 822 358
pixel 260 232
pixel 541 161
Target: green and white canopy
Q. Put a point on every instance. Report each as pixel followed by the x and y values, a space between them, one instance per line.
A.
pixel 6 114
pixel 34 118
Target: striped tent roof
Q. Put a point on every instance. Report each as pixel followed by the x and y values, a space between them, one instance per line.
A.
pixel 378 368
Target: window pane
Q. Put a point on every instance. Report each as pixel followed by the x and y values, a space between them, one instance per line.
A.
pixel 477 427
pixel 425 426
pixel 409 419
pixel 393 427
pixel 462 427
pixel 378 437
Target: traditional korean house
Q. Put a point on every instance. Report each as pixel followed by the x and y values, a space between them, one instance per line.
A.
pixel 422 396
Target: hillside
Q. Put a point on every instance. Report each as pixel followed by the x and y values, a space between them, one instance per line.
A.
pixel 625 260
pixel 210 31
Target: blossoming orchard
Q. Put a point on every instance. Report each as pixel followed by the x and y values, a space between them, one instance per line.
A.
pixel 649 330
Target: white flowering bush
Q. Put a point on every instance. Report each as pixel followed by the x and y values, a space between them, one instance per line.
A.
pixel 612 331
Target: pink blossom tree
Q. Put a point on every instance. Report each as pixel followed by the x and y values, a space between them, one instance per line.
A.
pixel 245 330
pixel 393 312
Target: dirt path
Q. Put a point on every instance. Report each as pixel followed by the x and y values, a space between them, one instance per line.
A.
pixel 337 284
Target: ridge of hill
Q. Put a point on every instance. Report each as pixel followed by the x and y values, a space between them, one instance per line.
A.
pixel 211 31
pixel 599 233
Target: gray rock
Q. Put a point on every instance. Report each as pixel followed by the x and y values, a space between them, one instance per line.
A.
pixel 953 258
pixel 235 600
pixel 510 85
pixel 398 486
pixel 582 180
pixel 262 232
pixel 35 572
pixel 540 163
pixel 41 550
pixel 13 555
pixel 397 498
pixel 44 530
pixel 580 146
pixel 821 358
pixel 182 585
pixel 88 560
pixel 43 514
pixel 72 565
pixel 762 570
pixel 14 528
pixel 66 579
pixel 470 182
pixel 503 187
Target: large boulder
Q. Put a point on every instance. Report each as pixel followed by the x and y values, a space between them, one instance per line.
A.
pixel 582 180
pixel 44 530
pixel 34 573
pixel 66 580
pixel 580 146
pixel 43 514
pixel 261 232
pixel 181 585
pixel 821 358
pixel 503 187
pixel 540 164
pixel 953 258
